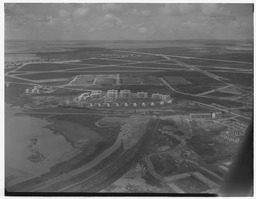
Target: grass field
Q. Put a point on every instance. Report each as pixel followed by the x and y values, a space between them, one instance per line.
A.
pixel 158 65
pixel 13 79
pixel 140 58
pixel 102 62
pixel 244 79
pixel 221 94
pixel 223 102
pixel 116 68
pixel 213 64
pixel 199 82
pixel 48 67
pixel 191 185
pixel 49 75
pixel 203 51
pixel 176 80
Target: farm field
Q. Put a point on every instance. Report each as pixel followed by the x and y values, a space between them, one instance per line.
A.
pixel 102 61
pixel 49 66
pixel 158 65
pixel 222 94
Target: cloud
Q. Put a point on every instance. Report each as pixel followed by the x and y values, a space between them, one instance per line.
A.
pixel 170 9
pixel 109 7
pixel 187 8
pixel 81 12
pixel 63 13
pixel 13 9
pixel 112 18
pixel 143 30
pixel 214 10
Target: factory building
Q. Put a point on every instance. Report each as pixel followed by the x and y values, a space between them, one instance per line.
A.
pixel 142 94
pixel 125 93
pixel 112 93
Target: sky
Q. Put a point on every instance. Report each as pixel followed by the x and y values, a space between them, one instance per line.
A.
pixel 127 21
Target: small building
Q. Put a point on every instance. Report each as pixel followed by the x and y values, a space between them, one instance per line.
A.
pixel 216 115
pixel 96 94
pixel 201 115
pixel 142 94
pixel 143 104
pixel 125 93
pixel 83 96
pixel 169 101
pixel 126 104
pixel 155 96
pixel 226 135
pixel 165 97
pixel 161 103
pixel 160 96
pixel 117 104
pixel 108 105
pixel 152 104
pixel 112 93
pixel 134 104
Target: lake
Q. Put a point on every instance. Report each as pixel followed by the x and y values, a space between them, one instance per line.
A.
pixel 30 149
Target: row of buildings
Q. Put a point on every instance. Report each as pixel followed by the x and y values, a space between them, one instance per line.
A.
pixel 116 104
pixel 230 137
pixel 206 115
pixel 122 94
pixel 39 89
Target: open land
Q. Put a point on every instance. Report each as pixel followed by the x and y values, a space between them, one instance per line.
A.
pixel 179 123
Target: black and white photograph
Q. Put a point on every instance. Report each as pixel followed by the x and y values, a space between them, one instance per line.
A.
pixel 128 99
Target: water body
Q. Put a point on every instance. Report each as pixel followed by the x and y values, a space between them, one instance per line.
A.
pixel 30 149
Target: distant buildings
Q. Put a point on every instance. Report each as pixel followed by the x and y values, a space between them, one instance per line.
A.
pixel 96 94
pixel 39 89
pixel 125 93
pixel 112 93
pixel 109 98
pixel 83 97
pixel 142 95
pixel 206 115
pixel 160 96
pixel 230 137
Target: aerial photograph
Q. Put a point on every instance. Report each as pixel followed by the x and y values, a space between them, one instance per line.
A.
pixel 127 98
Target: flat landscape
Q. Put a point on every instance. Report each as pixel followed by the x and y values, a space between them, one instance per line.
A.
pixel 127 121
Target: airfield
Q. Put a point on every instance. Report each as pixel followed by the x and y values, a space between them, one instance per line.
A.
pixel 185 144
